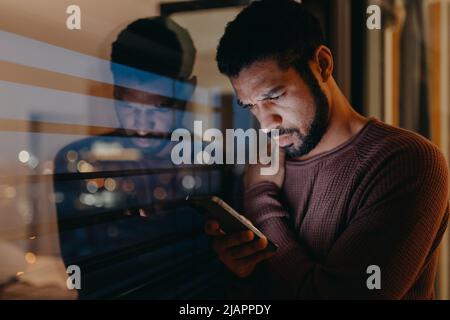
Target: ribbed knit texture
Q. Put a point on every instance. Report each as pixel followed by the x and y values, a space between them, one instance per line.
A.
pixel 379 199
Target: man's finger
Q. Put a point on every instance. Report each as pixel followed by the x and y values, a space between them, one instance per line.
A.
pixel 212 228
pixel 248 249
pixel 256 258
pixel 233 240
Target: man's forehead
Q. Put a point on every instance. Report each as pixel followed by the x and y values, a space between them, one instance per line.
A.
pixel 260 73
pixel 137 96
pixel 157 86
pixel 259 79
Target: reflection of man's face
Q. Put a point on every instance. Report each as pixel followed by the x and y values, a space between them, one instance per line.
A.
pixel 143 112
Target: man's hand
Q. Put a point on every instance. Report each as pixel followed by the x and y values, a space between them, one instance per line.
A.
pixel 239 252
pixel 253 175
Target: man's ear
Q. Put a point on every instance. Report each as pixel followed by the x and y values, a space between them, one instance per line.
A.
pixel 324 60
pixel 193 82
pixel 184 90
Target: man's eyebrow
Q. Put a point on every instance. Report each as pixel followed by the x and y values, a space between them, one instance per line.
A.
pixel 265 96
pixel 272 92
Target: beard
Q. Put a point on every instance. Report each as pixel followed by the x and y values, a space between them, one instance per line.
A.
pixel 305 143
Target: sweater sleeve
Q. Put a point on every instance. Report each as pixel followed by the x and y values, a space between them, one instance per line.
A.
pixel 398 224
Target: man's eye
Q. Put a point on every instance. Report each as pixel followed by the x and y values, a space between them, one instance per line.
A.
pixel 276 98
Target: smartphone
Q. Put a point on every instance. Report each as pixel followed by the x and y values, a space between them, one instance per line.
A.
pixel 230 221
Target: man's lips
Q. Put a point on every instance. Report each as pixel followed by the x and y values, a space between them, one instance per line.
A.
pixel 140 138
pixel 142 132
pixel 285 140
pixel 142 142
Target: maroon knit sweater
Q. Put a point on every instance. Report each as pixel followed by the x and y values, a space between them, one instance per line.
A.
pixel 379 199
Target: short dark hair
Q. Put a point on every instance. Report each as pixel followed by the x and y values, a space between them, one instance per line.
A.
pixel 280 29
pixel 157 45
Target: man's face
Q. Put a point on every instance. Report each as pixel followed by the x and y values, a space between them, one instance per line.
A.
pixel 281 99
pixel 144 113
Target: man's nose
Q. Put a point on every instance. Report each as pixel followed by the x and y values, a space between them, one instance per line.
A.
pixel 269 119
pixel 142 120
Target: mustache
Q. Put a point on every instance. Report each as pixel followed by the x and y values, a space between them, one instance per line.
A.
pixel 285 131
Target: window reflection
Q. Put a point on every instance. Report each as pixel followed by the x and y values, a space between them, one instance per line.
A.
pixel 129 172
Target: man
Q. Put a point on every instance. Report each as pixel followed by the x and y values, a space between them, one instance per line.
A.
pixel 120 217
pixel 354 194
